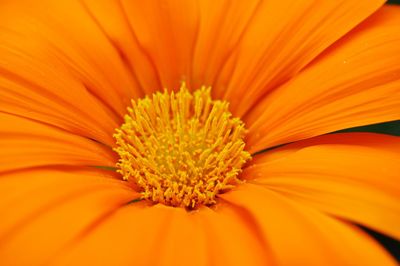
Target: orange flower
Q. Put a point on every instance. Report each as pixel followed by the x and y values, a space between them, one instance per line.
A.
pixel 90 178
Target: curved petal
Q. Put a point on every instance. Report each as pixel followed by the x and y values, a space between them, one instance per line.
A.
pixel 282 38
pixel 112 18
pixel 161 235
pixel 170 41
pixel 25 143
pixel 183 241
pixel 297 234
pixel 45 210
pixel 354 176
pixel 218 42
pixel 128 237
pixel 166 31
pixel 356 82
pixel 59 68
pixel 232 239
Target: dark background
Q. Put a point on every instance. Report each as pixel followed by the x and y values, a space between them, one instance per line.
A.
pixel 391 128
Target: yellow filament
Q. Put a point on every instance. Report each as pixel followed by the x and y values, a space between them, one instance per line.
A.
pixel 181 149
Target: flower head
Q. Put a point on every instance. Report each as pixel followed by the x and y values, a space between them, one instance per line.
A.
pixel 196 132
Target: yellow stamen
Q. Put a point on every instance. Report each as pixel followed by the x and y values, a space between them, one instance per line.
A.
pixel 181 149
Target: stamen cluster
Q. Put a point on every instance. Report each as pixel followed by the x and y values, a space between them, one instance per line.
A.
pixel 181 149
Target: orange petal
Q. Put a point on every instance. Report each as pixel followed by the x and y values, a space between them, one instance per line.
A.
pixel 26 143
pixel 166 31
pixel 58 67
pixel 221 26
pixel 354 83
pixel 132 235
pixel 297 234
pixel 174 40
pixel 182 241
pixel 45 210
pixel 113 19
pixel 156 38
pixel 195 41
pixel 161 235
pixel 281 39
pixel 354 176
pixel 231 238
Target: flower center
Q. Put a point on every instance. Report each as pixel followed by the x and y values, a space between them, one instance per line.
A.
pixel 181 149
